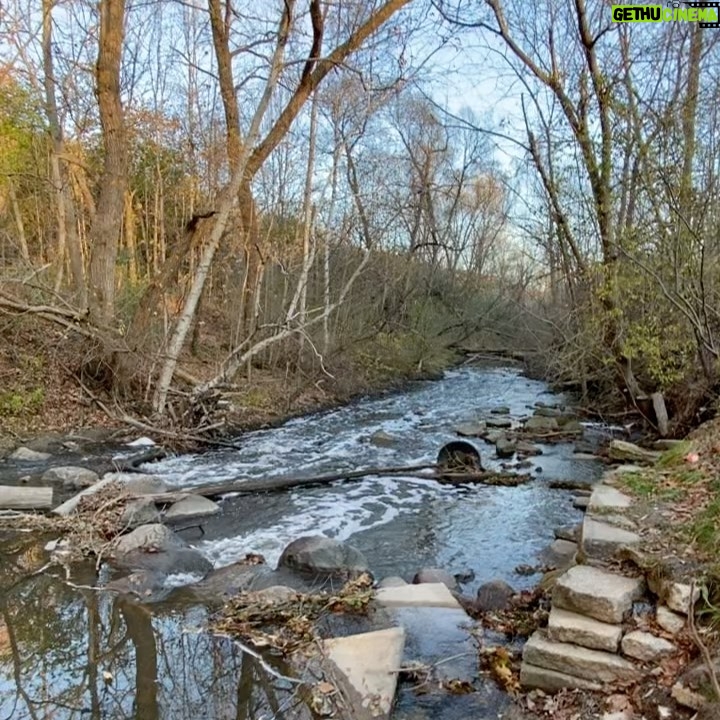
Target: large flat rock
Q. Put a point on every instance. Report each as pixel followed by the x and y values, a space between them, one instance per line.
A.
pixel 568 627
pixel 605 498
pixel 596 593
pixel 422 595
pixel 366 666
pixel 601 541
pixel 193 506
pixel 580 662
pixel 532 677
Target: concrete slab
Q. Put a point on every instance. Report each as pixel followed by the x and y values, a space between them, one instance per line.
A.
pixel 568 627
pixel 596 593
pixel 366 665
pixel 605 498
pixel 580 662
pixel 601 541
pixel 533 677
pixel 422 595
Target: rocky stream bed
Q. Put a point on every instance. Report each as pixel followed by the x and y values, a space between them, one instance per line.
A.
pixel 129 638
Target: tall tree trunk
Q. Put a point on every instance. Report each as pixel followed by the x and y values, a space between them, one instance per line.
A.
pixel 107 225
pixel 22 236
pixel 307 217
pixel 68 239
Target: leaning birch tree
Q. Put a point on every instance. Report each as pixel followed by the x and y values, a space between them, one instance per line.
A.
pixel 254 151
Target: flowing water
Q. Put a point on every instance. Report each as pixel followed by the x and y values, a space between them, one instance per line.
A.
pixel 71 652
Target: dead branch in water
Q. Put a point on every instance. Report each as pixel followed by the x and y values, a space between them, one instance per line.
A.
pixel 282 484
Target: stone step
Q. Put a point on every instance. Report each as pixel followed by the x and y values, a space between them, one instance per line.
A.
pixel 601 541
pixel 421 595
pixel 568 627
pixel 579 662
pixel 646 646
pixel 534 677
pixel 605 498
pixel 596 593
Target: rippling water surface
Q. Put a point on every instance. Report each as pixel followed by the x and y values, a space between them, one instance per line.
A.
pixel 75 653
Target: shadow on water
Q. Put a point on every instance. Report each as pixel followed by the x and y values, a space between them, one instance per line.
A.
pixel 72 652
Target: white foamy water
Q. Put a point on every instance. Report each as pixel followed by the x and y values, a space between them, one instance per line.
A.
pixel 369 511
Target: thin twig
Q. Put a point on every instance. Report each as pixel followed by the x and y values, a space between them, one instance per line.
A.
pixel 701 645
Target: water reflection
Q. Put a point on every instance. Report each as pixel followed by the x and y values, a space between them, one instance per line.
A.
pixel 68 653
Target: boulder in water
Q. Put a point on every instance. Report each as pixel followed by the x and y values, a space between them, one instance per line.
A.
pixel 151 538
pixel 541 424
pixel 500 410
pixel 194 506
pixel 500 423
pixel 319 555
pixel 505 448
pixel 494 595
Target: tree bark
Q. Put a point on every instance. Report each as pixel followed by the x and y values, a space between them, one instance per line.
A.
pixel 107 224
pixel 67 230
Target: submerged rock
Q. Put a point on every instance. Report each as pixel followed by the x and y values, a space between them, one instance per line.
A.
pixel 471 429
pixel 23 454
pixel 539 423
pixel 173 561
pixel 384 440
pixel 499 423
pixel 316 554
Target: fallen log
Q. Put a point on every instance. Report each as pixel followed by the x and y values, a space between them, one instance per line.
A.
pixel 282 484
pixel 25 498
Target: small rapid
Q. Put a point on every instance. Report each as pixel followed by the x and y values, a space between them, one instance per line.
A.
pixel 400 523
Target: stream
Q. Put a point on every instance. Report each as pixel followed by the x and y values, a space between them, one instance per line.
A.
pixel 73 652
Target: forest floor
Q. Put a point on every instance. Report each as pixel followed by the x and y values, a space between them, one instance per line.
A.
pixel 43 389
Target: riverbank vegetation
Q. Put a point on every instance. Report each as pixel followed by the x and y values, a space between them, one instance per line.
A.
pixel 215 218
